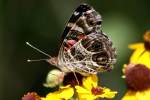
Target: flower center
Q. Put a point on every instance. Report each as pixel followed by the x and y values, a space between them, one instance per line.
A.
pixel 147 40
pixel 138 77
pixel 96 91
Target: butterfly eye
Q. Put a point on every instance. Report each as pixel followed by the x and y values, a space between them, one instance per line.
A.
pixel 100 58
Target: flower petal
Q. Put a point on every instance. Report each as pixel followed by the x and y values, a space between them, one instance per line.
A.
pixel 84 94
pixel 140 55
pixel 80 89
pixel 136 46
pixel 108 93
pixel 130 96
pixel 86 97
pixel 51 96
pixel 143 95
pixel 64 93
pixel 90 81
pixel 137 95
pixel 136 57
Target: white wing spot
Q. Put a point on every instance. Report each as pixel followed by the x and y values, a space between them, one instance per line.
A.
pixel 76 13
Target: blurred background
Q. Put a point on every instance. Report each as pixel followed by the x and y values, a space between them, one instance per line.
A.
pixel 41 22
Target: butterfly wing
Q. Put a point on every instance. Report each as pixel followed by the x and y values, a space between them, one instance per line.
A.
pixel 83 28
pixel 84 19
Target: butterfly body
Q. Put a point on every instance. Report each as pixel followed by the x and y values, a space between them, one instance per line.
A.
pixel 85 48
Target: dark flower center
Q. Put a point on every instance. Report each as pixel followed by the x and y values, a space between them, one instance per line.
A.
pixel 147 40
pixel 138 77
pixel 96 91
pixel 70 79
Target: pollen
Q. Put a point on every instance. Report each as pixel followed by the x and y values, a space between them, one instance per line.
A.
pixel 97 91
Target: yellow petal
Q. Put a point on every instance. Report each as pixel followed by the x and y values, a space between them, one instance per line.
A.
pixel 51 96
pixel 140 55
pixel 136 55
pixel 136 46
pixel 94 80
pixel 90 81
pixel 143 95
pixel 65 87
pixel 137 58
pixel 137 95
pixel 86 97
pixel 82 90
pixel 108 93
pixel 130 95
pixel 64 93
pixel 84 94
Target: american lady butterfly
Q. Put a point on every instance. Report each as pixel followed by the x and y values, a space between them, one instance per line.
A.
pixel 85 48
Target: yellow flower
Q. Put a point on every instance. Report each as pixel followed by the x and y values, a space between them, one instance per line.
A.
pixel 137 72
pixel 141 54
pixel 64 93
pixel 137 95
pixel 138 82
pixel 91 91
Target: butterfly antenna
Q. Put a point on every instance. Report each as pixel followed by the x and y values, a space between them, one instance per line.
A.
pixel 35 60
pixel 27 43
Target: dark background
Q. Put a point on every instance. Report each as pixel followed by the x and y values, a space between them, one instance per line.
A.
pixel 41 22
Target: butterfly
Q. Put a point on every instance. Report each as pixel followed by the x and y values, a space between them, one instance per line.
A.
pixel 85 48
